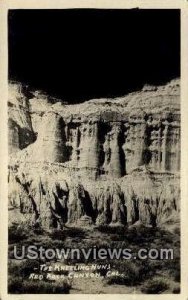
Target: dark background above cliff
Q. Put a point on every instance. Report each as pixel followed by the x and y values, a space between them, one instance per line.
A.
pixel 81 54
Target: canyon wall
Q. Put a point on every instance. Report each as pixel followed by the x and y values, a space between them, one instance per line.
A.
pixel 104 161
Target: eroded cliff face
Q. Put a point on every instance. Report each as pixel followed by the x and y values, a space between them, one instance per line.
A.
pixel 105 161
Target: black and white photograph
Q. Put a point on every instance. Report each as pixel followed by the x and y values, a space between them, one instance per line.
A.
pixel 94 123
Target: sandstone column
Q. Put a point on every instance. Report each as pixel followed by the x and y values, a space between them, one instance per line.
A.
pixel 115 168
pixel 52 140
pixel 164 145
pixel 89 149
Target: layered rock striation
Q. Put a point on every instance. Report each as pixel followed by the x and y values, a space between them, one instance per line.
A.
pixel 105 161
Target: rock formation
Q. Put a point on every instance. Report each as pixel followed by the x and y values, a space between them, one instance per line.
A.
pixel 105 161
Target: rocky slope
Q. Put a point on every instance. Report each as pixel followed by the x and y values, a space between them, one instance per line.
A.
pixel 104 161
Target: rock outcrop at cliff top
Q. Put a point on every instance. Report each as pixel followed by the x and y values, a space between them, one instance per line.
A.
pixel 104 161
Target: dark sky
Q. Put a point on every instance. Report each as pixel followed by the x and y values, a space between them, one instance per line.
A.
pixel 79 54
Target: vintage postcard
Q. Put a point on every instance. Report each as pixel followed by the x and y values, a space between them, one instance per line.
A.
pixel 93 149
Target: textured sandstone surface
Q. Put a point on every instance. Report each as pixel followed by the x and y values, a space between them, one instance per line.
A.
pixel 104 161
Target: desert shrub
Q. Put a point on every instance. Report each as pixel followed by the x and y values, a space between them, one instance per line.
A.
pixel 140 235
pixel 14 285
pixel 134 272
pixel 111 229
pixel 16 233
pixel 117 237
pixel 132 235
pixel 13 268
pixel 173 267
pixel 27 267
pixel 130 274
pixel 155 286
pixel 175 273
pixel 57 234
pixel 38 230
pixel 24 268
pixel 177 230
pixel 176 290
pixel 19 286
pixel 67 232
pixel 146 269
pixel 115 279
pixel 102 272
